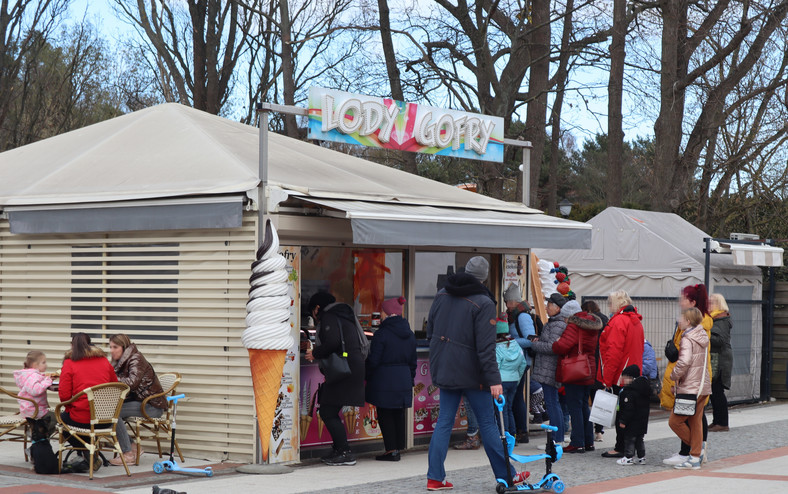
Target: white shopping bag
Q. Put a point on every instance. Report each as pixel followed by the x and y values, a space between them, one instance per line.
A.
pixel 604 410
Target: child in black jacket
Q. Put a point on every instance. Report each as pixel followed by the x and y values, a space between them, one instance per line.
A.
pixel 633 403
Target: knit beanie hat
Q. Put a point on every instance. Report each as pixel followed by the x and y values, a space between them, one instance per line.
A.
pixel 512 293
pixel 478 267
pixel 570 308
pixel 557 299
pixel 393 306
pixel 631 371
pixel 322 299
pixel 501 324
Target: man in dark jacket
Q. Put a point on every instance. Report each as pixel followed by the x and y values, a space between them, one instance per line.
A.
pixel 332 318
pixel 461 330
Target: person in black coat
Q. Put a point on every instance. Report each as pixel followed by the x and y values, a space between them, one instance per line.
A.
pixel 331 317
pixel 391 368
pixel 633 402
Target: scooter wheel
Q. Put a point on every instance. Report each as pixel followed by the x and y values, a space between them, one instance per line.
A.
pixel 558 486
pixel 500 488
pixel 209 471
pixel 158 467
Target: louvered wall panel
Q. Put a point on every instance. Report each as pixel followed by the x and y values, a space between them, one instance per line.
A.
pixel 179 295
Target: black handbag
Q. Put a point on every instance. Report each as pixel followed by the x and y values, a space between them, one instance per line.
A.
pixel 335 367
pixel 671 351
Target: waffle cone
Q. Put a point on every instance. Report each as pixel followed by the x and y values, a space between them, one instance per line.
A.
pixel 305 421
pixel 266 380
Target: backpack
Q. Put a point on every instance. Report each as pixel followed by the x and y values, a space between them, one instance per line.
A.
pixel 538 326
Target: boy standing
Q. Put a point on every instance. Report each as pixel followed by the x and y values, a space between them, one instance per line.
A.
pixel 633 404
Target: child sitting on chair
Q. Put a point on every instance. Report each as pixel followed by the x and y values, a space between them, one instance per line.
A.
pixel 33 383
pixel 633 404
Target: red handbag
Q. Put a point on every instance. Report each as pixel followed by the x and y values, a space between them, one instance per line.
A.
pixel 575 369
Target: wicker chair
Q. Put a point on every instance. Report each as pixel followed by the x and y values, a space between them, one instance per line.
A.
pixel 13 428
pixel 146 427
pixel 105 402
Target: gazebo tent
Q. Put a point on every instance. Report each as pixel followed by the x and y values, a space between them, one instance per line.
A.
pixel 653 256
pixel 146 224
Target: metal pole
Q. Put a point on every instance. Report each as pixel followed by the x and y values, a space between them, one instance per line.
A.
pixel 527 176
pixel 262 206
pixel 708 264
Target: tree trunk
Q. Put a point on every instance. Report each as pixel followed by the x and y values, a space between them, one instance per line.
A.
pixel 538 86
pixel 668 127
pixel 408 159
pixel 615 91
pixel 288 68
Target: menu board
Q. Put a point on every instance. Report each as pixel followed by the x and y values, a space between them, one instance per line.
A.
pixel 284 442
pixel 426 401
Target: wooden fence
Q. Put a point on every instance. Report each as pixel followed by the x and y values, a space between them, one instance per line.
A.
pixel 779 388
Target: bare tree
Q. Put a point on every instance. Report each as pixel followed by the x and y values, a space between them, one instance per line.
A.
pixel 683 64
pixel 26 26
pixel 196 48
pixel 296 47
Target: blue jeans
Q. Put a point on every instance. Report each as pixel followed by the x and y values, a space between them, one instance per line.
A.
pixel 473 425
pixel 509 392
pixel 482 404
pixel 582 433
pixel 553 407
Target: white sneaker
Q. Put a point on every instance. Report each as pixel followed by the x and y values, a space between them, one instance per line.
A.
pixel 703 456
pixel 640 461
pixel 692 463
pixel 625 461
pixel 598 437
pixel 676 459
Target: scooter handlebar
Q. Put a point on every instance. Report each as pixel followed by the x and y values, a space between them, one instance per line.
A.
pixel 549 427
pixel 500 402
pixel 178 397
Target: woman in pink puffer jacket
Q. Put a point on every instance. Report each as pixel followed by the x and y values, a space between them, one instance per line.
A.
pixel 691 378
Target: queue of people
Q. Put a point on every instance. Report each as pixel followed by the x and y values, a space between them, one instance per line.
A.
pixel 476 355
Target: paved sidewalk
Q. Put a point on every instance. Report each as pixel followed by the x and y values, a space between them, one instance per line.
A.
pixel 752 456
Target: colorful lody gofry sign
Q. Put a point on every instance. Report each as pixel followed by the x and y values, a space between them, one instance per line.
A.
pixel 386 123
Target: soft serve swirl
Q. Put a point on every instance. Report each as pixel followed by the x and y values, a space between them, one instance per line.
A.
pixel 268 309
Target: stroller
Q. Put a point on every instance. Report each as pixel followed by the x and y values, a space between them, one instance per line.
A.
pixel 551 455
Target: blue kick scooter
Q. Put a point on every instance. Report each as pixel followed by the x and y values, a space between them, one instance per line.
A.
pixel 171 465
pixel 551 455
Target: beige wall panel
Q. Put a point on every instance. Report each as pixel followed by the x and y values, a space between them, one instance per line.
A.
pixel 188 287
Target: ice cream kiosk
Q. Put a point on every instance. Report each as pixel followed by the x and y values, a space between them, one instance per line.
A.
pixel 387 235
pixel 167 243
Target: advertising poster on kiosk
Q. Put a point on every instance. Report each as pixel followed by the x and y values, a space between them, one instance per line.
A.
pixel 284 434
pixel 426 401
pixel 361 423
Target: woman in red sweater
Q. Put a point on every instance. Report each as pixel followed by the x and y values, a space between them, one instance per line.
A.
pixel 83 366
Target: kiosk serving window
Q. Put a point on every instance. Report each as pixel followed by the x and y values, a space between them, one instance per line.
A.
pixel 362 278
pixel 432 270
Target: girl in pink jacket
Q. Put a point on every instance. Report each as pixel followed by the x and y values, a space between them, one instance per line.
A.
pixel 33 384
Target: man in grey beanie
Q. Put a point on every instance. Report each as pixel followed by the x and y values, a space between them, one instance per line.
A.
pixel 478 267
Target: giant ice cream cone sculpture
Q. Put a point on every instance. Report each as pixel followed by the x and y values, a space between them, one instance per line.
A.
pixel 267 336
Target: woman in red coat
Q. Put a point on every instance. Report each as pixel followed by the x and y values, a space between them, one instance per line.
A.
pixel 84 366
pixel 582 330
pixel 620 346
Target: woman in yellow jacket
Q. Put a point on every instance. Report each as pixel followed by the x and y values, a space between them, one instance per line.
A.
pixel 691 296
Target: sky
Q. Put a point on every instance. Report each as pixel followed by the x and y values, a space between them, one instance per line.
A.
pixel 585 102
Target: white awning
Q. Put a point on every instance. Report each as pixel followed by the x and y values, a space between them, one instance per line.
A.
pixel 753 254
pixel 375 223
